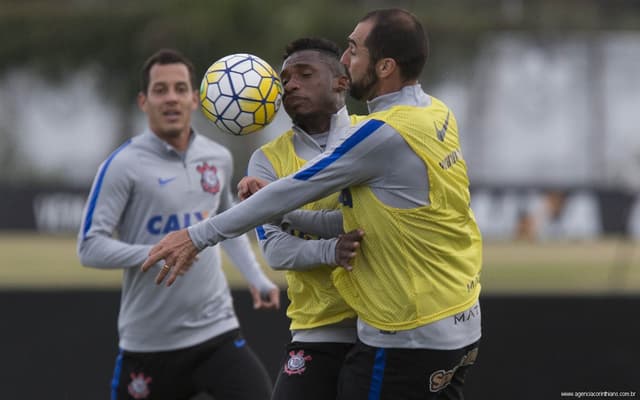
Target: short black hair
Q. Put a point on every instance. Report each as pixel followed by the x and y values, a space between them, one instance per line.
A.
pixel 163 57
pixel 324 46
pixel 397 34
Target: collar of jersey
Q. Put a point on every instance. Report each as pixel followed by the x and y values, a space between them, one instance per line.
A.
pixel 411 95
pixel 163 146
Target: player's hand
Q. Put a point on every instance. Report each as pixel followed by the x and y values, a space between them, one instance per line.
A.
pixel 348 244
pixel 268 300
pixel 177 251
pixel 249 185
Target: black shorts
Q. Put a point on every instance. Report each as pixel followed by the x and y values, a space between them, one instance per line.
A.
pixel 309 371
pixel 223 367
pixel 371 373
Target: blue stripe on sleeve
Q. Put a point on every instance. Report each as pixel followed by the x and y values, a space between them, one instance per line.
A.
pixel 378 374
pixel 358 136
pixel 261 233
pixel 96 190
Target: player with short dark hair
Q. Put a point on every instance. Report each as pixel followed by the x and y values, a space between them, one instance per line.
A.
pixel 173 344
pixel 164 57
pixel 323 326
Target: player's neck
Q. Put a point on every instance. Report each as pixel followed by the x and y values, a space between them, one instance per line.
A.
pixel 315 124
pixel 179 142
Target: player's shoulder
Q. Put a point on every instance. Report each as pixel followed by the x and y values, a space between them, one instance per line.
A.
pixel 124 153
pixel 436 103
pixel 120 162
pixel 277 144
pixel 133 150
pixel 356 119
pixel 424 108
pixel 284 137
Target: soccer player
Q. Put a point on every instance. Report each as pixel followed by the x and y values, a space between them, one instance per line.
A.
pixel 415 282
pixel 173 344
pixel 323 326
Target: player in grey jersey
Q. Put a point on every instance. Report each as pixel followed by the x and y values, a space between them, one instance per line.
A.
pixel 173 343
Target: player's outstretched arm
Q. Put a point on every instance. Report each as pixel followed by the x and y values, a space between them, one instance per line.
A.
pixel 286 251
pixel 322 176
pixel 322 223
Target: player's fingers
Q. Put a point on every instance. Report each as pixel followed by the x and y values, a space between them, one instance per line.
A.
pixel 162 274
pixel 352 246
pixel 181 265
pixel 346 266
pixel 355 235
pixel 275 299
pixel 254 186
pixel 344 260
pixel 243 190
pixel 270 303
pixel 155 255
pixel 241 185
pixel 172 277
pixel 255 296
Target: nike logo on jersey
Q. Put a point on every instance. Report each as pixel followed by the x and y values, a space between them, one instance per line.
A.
pixel 442 131
pixel 163 182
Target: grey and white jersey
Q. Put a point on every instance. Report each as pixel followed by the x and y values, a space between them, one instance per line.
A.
pixel 142 191
pixel 362 156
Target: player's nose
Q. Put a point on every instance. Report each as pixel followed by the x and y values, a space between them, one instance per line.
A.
pixel 172 95
pixel 291 85
pixel 346 58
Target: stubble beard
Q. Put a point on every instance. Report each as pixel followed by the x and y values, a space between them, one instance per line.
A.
pixel 362 90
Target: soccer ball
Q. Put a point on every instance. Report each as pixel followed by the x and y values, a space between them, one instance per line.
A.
pixel 240 94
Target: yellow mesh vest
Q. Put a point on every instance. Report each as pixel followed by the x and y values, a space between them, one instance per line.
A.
pixel 423 264
pixel 314 301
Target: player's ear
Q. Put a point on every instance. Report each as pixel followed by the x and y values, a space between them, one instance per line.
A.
pixel 341 83
pixel 142 101
pixel 196 99
pixel 385 67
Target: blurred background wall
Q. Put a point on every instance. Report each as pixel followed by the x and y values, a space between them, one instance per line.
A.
pixel 545 93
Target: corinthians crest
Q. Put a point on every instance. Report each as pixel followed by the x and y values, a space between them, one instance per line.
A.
pixel 297 362
pixel 139 386
pixel 209 178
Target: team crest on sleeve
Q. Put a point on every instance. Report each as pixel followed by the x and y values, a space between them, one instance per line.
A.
pixel 209 178
pixel 297 362
pixel 139 386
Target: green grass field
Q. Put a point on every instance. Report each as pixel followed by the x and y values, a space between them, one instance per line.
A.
pixel 34 262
